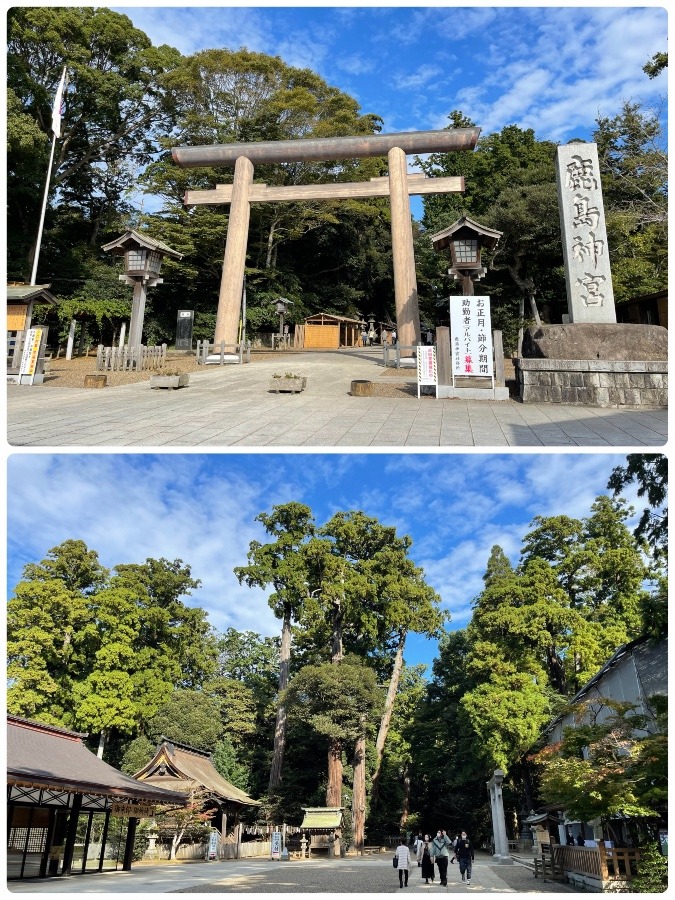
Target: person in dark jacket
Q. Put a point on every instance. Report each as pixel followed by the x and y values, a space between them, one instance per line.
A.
pixel 464 854
pixel 428 870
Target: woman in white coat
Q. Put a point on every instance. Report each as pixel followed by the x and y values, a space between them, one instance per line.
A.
pixel 403 854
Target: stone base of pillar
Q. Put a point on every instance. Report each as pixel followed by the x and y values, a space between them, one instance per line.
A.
pixel 502 860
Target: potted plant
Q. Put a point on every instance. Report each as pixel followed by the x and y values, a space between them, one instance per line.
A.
pixel 171 380
pixel 289 382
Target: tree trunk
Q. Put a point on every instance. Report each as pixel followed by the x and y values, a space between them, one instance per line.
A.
pixel 334 787
pixel 103 737
pixel 359 793
pixel 280 727
pixel 521 317
pixel 385 721
pixel 406 798
pixel 269 260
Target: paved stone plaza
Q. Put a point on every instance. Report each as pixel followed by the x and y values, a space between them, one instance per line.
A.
pixel 232 406
pixel 370 875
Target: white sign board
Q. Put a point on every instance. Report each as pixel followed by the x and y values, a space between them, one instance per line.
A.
pixel 213 845
pixel 31 349
pixel 276 844
pixel 426 367
pixel 471 337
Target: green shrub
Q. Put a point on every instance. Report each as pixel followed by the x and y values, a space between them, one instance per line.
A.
pixel 652 877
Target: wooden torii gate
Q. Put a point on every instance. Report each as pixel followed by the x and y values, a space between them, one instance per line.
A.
pixel 398 186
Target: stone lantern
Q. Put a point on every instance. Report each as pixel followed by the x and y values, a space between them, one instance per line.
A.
pixel 143 257
pixel 466 238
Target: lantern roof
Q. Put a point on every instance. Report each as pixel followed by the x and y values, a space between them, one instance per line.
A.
pixel 132 239
pixel 489 237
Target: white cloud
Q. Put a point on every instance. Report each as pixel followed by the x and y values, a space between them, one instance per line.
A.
pixel 417 79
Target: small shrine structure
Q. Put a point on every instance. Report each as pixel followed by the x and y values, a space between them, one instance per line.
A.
pixel 323 824
pixel 186 770
pixel 327 331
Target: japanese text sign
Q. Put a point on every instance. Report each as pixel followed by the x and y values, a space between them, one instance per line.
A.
pixel 471 337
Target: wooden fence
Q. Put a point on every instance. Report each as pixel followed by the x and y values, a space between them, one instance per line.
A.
pixel 606 864
pixel 127 359
pixel 229 850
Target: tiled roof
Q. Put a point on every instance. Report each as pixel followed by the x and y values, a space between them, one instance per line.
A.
pixel 184 768
pixel 45 756
pixel 26 292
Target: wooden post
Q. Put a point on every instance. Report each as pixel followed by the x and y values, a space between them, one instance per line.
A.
pixel 229 301
pixel 71 835
pixel 499 358
pixel 129 845
pixel 443 355
pixel 405 282
pixel 137 315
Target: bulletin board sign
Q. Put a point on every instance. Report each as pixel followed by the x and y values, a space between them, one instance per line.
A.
pixel 471 338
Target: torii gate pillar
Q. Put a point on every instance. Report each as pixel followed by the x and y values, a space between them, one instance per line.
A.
pixel 398 187
pixel 405 280
pixel 232 279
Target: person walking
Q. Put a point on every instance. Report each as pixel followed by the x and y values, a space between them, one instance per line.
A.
pixel 417 848
pixel 440 851
pixel 464 854
pixel 403 854
pixel 424 856
pixel 364 337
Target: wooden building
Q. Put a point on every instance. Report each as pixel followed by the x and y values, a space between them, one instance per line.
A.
pixel 21 302
pixel 69 813
pixel 188 771
pixel 323 824
pixel 325 331
pixel 647 309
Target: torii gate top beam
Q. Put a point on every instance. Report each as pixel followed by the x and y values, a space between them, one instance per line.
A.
pixel 321 149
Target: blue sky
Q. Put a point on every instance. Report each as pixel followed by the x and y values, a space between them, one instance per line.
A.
pixel 551 69
pixel 547 68
pixel 201 508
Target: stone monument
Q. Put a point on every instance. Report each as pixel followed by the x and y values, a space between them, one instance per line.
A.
pixel 592 360
pixel 590 297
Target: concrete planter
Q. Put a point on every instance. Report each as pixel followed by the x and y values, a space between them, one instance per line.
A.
pixel 170 381
pixel 288 385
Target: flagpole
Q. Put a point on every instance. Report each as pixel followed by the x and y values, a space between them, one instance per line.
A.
pixel 42 214
pixel 56 132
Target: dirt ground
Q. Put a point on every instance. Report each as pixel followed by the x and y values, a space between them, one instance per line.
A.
pixel 69 373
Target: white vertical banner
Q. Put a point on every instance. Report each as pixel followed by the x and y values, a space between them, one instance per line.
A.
pixel 57 109
pixel 426 367
pixel 471 337
pixel 276 845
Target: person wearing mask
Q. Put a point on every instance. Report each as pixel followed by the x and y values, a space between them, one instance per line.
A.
pixel 424 856
pixel 464 854
pixel 403 854
pixel 440 851
pixel 417 848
